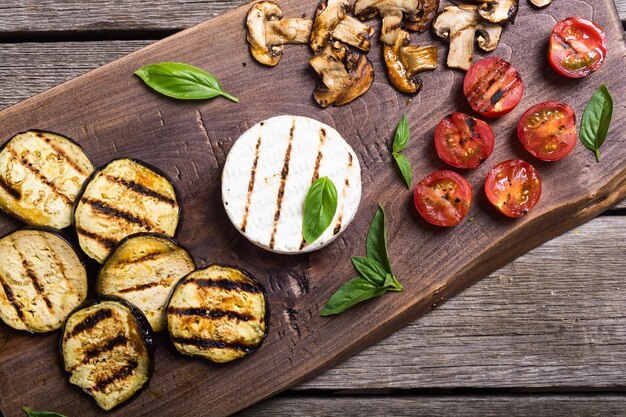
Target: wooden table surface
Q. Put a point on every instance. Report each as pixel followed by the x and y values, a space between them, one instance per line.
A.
pixel 546 335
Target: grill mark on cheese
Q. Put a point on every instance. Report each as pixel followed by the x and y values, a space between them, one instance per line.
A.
pixel 283 181
pixel 209 313
pixel 8 292
pixel 40 176
pixel 102 240
pixel 107 346
pixel 316 168
pixel 117 375
pixel 246 213
pixel 63 154
pixel 142 287
pixel 33 277
pixel 90 322
pixel 212 344
pixel 141 189
pixel 344 191
pixel 113 212
pixel 227 284
pixel 16 194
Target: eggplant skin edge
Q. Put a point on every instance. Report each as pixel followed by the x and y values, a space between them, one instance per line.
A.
pixel 146 333
pixel 249 276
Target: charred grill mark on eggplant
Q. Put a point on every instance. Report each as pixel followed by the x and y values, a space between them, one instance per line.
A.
pixel 141 189
pixel 145 258
pixel 90 322
pixel 8 292
pixel 104 241
pixel 251 183
pixel 283 183
pixel 35 280
pixel 143 287
pixel 227 284
pixel 113 212
pixel 208 313
pixel 107 346
pixel 16 194
pixel 212 344
pixel 122 373
pixel 64 155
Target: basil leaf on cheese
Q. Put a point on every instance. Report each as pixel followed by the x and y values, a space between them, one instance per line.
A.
pixel 319 209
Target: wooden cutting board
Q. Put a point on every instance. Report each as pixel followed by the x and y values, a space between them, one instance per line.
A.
pixel 112 114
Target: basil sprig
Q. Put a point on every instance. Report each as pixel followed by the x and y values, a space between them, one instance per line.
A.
pixel 319 209
pixel 33 413
pixel 375 275
pixel 596 120
pixel 400 142
pixel 182 81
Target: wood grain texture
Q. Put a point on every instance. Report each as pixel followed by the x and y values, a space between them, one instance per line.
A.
pixel 177 143
pixel 40 16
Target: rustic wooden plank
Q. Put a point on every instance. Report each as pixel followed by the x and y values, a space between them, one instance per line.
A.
pixel 112 114
pixel 523 405
pixel 37 16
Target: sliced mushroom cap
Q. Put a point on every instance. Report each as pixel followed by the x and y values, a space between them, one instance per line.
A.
pixel 422 21
pixel 333 22
pixel 391 11
pixel 498 11
pixel 459 24
pixel 541 3
pixel 405 61
pixel 268 32
pixel 345 75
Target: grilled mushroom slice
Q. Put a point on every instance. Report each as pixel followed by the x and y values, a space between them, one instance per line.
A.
pixel 40 175
pixel 541 3
pixel 345 75
pixel 498 11
pixel 268 32
pixel 107 350
pixel 218 313
pixel 333 22
pixel 460 24
pixel 405 61
pixel 42 280
pixel 123 198
pixel 391 11
pixel 421 21
pixel 143 269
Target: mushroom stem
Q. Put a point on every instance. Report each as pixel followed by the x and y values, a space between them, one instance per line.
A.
pixel 282 32
pixel 419 58
pixel 353 32
pixel 392 20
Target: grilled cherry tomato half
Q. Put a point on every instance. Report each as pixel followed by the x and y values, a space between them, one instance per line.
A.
pixel 513 187
pixel 463 141
pixel 493 87
pixel 443 198
pixel 548 130
pixel 577 47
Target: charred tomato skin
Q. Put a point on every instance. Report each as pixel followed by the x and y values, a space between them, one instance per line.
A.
pixel 578 47
pixel 443 198
pixel 463 141
pixel 513 187
pixel 548 130
pixel 493 87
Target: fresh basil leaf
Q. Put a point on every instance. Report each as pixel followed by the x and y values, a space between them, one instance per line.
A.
pixel 405 168
pixel 376 245
pixel 319 209
pixel 596 120
pixel 392 284
pixel 370 269
pixel 402 136
pixel 352 292
pixel 182 81
pixel 33 413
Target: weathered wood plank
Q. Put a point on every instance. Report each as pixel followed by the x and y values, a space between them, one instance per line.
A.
pixel 605 405
pixel 37 16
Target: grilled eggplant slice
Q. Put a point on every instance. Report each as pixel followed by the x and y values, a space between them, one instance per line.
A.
pixel 41 173
pixel 123 198
pixel 42 280
pixel 143 269
pixel 218 313
pixel 107 350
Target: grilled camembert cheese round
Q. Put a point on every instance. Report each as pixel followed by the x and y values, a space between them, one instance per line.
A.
pixel 42 280
pixel 269 172
pixel 123 198
pixel 143 269
pixel 41 173
pixel 218 313
pixel 106 349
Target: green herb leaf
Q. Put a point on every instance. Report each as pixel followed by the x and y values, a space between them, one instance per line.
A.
pixel 370 269
pixel 33 413
pixel 182 81
pixel 352 292
pixel 405 168
pixel 319 209
pixel 376 246
pixel 402 136
pixel 596 120
pixel 392 284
